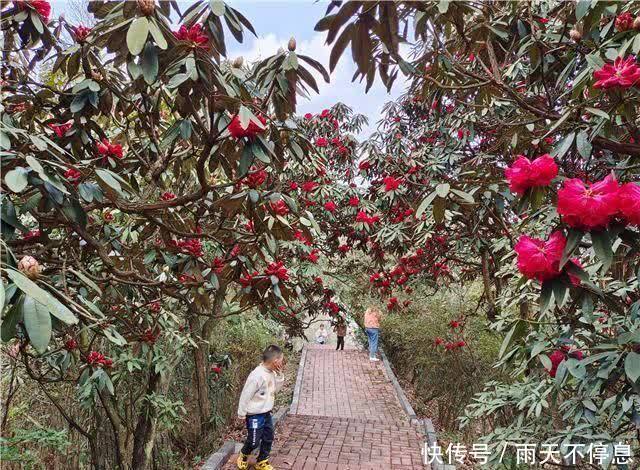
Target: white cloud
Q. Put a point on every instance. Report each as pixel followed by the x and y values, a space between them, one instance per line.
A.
pixel 339 89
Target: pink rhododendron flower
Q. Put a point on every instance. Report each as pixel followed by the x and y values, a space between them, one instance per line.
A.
pixel 556 358
pixel 588 206
pixel 80 33
pixel 60 130
pixel 278 270
pixel 354 201
pixel 623 73
pixel 280 207
pixel 255 178
pixel 525 174
pixel 629 202
pixel 539 259
pixel 309 186
pixel 107 149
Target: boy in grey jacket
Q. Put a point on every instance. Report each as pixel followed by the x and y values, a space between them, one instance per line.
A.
pixel 256 403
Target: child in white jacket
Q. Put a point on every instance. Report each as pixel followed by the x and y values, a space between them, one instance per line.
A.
pixel 256 403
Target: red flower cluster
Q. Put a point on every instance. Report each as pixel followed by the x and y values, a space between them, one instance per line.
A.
pixel 80 33
pixel 155 306
pixel 252 129
pixel 344 249
pixel 96 359
pixel 70 344
pixel 588 206
pixel 293 185
pixel 314 256
pixel 321 142
pixel 192 246
pixel 525 174
pixel 194 34
pixel 72 175
pixel 167 196
pixel 278 270
pixel 392 303
pixel 330 206
pixel 309 186
pixel 31 234
pixel 217 265
pixel 255 178
pixel 365 218
pixel 300 236
pixel 107 149
pixel 623 73
pixel 248 280
pixel 391 183
pixel 42 7
pixel 149 336
pixel 280 207
pixel 60 130
pixel 354 201
pixel 624 21
pixel 333 307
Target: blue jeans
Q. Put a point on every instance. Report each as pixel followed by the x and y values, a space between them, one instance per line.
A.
pixel 260 432
pixel 372 335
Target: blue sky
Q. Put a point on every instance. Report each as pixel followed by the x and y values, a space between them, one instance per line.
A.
pixel 275 21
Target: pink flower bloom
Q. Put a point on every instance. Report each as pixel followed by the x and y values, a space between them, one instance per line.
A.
pixel 588 206
pixel 556 358
pixel 624 73
pixel 308 116
pixel 72 175
pixel 194 34
pixel 309 186
pixel 354 201
pixel 364 165
pixel 255 178
pixel 629 203
pixel 525 174
pixel 107 149
pixel 539 259
pixel 278 270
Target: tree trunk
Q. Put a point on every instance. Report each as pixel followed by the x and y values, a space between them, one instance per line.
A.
pixel 201 358
pixel 488 290
pixel 146 429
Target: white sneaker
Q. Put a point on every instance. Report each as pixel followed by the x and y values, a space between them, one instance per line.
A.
pixel 374 359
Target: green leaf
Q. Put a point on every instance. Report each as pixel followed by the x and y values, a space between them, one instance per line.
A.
pixel 149 63
pixel 86 280
pixel 602 248
pixel 582 8
pixel 443 189
pixel 11 320
pixel 157 35
pixel 514 333
pixel 37 322
pixel 217 7
pixel 137 35
pixel 107 177
pixel 16 179
pixel 245 116
pixel 30 288
pixel 546 296
pixel 424 204
pixel 632 366
pixel 573 240
pixel 564 145
pixel 443 6
pixel 464 196
pixel 583 144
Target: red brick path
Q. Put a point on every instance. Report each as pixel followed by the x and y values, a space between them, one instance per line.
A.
pixel 348 417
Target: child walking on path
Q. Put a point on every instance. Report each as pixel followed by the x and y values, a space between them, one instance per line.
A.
pixel 372 327
pixel 341 332
pixel 256 403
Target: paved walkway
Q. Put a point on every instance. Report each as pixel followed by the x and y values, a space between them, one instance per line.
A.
pixel 347 417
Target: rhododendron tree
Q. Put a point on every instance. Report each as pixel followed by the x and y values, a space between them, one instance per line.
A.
pixel 144 199
pixel 536 199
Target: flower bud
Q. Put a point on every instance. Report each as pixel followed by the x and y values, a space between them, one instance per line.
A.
pixel 575 35
pixel 146 6
pixel 292 44
pixel 237 62
pixel 30 267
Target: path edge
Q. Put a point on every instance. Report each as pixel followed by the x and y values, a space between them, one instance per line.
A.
pixel 425 425
pixel 293 408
